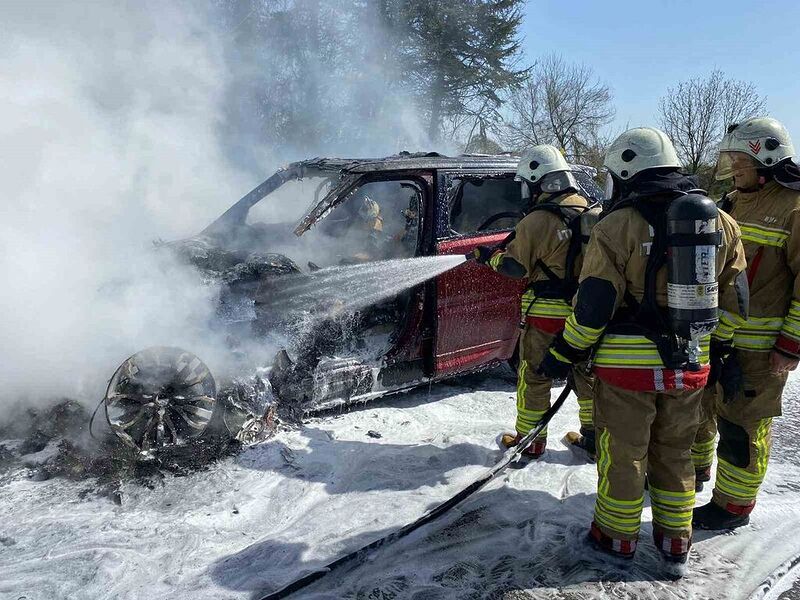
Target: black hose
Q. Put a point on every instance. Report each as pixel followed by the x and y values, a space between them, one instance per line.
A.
pixel 359 555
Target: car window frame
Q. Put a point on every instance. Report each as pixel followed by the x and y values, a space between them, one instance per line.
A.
pixel 445 181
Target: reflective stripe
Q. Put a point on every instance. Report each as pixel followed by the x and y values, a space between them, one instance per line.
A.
pixel 791 324
pixel 625 351
pixel 585 411
pixel 579 336
pixel 758 333
pixel 672 510
pixel 496 259
pixel 703 453
pixel 672 498
pixel 603 460
pixel 763 236
pixel 620 516
pixel 527 299
pixel 740 483
pixel 526 419
pixel 543 307
pixel 672 520
pixel 728 324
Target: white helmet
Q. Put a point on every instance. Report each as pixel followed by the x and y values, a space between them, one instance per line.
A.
pixel 763 139
pixel 369 209
pixel 640 149
pixel 538 162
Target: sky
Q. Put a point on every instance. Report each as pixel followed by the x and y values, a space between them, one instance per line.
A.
pixel 642 47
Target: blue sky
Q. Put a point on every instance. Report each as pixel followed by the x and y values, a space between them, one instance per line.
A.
pixel 639 48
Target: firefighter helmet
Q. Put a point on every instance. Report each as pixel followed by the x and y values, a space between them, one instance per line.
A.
pixel 369 209
pixel 538 162
pixel 640 149
pixel 763 139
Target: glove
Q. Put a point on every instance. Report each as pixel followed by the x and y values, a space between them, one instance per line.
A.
pixel 725 370
pixel 481 254
pixel 560 357
pixel 720 350
pixel 553 367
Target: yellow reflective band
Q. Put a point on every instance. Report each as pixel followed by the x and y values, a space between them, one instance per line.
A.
pixel 496 259
pixel 521 385
pixel 559 356
pixel 762 442
pixel 672 520
pixel 728 323
pixel 640 353
pixel 727 486
pixel 754 343
pixel 620 506
pixel 739 475
pixel 542 308
pixel 579 336
pixel 585 411
pixel 703 453
pixel 765 236
pixel 526 419
pixel 614 525
pixel 672 498
pixel 603 461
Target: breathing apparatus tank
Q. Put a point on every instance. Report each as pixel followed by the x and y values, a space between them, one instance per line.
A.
pixel 692 288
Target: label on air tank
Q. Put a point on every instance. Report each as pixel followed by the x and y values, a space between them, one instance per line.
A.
pixel 692 297
pixel 705 264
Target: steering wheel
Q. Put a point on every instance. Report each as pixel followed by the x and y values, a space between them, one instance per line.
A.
pixel 497 217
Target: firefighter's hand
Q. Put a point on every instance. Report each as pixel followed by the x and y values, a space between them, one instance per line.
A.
pixel 781 363
pixel 481 254
pixel 731 378
pixel 553 367
pixel 720 351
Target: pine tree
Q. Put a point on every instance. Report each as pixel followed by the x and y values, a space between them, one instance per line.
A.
pixel 460 54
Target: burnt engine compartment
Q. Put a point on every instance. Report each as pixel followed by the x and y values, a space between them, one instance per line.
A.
pixel 164 397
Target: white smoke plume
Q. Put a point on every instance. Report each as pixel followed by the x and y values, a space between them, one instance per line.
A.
pixel 111 116
pixel 108 119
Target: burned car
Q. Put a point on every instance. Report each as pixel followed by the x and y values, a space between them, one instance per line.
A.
pixel 309 218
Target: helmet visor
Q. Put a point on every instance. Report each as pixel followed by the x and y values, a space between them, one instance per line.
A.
pixel 732 164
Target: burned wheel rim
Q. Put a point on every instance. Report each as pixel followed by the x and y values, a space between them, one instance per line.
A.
pixel 160 397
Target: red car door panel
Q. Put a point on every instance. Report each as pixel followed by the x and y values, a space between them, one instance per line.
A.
pixel 477 310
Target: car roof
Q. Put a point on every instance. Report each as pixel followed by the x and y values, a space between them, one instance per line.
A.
pixel 422 160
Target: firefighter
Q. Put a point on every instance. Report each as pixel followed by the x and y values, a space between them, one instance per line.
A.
pixel 648 382
pixel 757 154
pixel 365 233
pixel 540 251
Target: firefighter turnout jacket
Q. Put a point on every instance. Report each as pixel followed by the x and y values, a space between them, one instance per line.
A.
pixel 770 223
pixel 614 270
pixel 541 242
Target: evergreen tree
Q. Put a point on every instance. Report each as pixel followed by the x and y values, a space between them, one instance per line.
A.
pixel 459 54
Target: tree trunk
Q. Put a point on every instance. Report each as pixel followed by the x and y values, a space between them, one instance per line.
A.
pixel 437 98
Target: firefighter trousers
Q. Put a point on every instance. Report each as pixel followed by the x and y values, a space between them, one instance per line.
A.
pixel 745 433
pixel 638 434
pixel 533 390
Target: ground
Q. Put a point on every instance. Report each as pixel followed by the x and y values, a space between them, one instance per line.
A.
pixel 251 523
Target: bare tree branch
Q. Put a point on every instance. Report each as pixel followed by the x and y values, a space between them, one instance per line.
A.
pixel 562 104
pixel 696 112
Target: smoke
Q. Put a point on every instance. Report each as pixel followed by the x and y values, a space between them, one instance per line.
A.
pixel 108 121
pixel 118 125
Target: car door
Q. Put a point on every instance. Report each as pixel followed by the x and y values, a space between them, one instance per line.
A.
pixel 477 310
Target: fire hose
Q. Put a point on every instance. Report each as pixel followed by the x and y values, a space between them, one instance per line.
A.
pixel 358 556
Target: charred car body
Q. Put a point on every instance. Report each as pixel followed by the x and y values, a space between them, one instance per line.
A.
pixel 361 211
